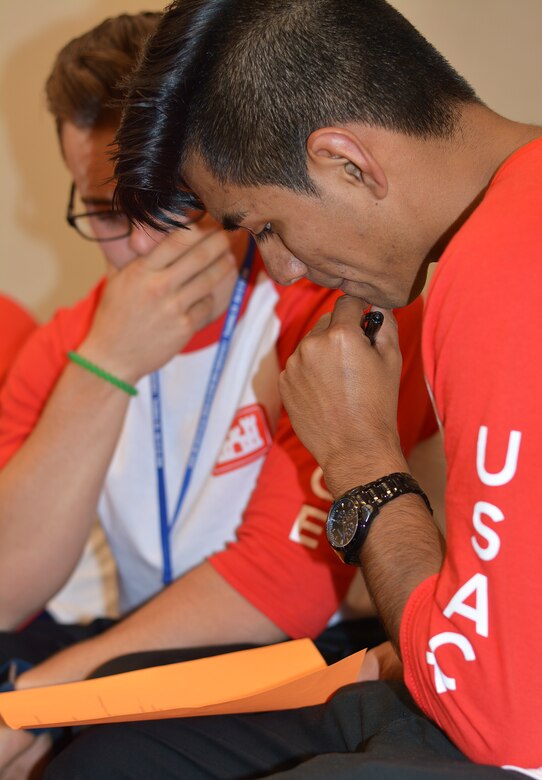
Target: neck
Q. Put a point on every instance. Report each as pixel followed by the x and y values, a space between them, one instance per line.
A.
pixel 488 139
pixel 467 163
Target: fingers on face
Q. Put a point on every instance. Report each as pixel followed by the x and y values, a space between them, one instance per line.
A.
pixel 211 258
pixel 191 244
pixel 339 335
pixel 205 282
pixel 348 310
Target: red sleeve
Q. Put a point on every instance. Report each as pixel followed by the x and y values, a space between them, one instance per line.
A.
pixel 281 561
pixel 15 326
pixel 36 371
pixel 470 637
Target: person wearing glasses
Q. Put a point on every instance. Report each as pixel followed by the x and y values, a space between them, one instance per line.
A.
pixel 154 403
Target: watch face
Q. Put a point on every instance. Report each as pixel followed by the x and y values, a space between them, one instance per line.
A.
pixel 342 522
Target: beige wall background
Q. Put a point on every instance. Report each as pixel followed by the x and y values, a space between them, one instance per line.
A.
pixel 494 43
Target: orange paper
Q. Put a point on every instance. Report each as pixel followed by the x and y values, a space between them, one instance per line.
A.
pixel 283 676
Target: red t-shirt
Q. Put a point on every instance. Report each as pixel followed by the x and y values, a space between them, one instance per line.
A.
pixel 16 324
pixel 267 541
pixel 300 592
pixel 470 636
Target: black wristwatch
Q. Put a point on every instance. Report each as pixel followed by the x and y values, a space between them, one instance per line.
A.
pixel 350 517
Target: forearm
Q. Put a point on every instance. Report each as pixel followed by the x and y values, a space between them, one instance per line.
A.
pixel 404 545
pixel 403 548
pixel 199 609
pixel 50 488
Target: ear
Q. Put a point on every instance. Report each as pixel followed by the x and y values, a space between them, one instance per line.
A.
pixel 338 150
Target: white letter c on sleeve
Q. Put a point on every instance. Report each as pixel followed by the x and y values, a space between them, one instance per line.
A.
pixel 442 682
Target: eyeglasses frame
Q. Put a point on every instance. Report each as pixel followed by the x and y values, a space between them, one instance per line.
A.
pixel 71 219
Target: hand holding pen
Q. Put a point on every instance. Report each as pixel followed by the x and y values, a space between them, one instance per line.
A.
pixel 371 324
pixel 336 381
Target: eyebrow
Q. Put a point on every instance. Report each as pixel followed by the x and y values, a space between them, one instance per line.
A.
pixel 232 221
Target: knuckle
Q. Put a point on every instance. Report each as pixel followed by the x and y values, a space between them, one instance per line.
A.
pixel 184 328
pixel 158 287
pixel 290 364
pixel 221 242
pixel 284 382
pixel 217 269
pixel 340 336
pixel 185 325
pixel 197 315
pixel 206 244
pixel 201 286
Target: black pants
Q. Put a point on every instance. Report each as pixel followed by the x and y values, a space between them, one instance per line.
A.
pixel 365 731
pixel 44 637
pixel 369 731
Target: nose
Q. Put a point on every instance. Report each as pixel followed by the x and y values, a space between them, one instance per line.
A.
pixel 143 239
pixel 282 266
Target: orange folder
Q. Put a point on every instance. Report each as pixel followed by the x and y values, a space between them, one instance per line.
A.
pixel 282 676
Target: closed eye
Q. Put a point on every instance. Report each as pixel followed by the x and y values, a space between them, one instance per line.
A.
pixel 264 234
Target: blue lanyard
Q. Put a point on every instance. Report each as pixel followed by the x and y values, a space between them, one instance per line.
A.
pixel 232 315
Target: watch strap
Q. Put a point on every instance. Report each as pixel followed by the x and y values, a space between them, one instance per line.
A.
pixel 387 488
pixel 373 496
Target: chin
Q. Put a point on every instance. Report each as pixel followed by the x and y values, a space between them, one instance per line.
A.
pixel 372 296
pixel 330 283
pixel 357 290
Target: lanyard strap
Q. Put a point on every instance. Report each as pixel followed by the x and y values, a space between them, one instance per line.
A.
pixel 232 315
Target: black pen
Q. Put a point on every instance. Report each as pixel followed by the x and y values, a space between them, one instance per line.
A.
pixel 371 324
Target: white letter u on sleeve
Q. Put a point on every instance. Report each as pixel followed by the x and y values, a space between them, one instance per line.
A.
pixel 511 463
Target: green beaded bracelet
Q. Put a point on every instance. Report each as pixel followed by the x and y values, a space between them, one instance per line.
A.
pixel 75 357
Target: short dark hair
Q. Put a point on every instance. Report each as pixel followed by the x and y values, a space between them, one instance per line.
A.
pixel 243 83
pixel 86 82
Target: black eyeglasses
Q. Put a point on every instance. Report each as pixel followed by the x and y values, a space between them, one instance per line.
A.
pixel 107 224
pixel 101 224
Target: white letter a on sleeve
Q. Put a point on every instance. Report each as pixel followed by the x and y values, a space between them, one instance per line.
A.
pixel 479 613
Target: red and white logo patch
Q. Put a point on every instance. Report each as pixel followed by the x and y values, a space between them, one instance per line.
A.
pixel 248 439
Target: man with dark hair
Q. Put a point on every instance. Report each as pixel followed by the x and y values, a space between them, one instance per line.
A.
pixel 355 155
pixel 213 509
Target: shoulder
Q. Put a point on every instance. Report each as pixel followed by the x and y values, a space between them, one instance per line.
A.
pixel 503 233
pixel 495 259
pixel 483 314
pixel 70 324
pixel 44 354
pixel 14 316
pixel 16 324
